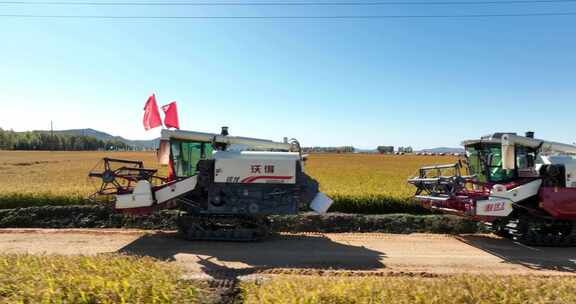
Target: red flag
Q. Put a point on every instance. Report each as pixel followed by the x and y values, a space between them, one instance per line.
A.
pixel 151 114
pixel 171 115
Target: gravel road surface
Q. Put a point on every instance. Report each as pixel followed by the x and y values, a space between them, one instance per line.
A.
pixel 314 253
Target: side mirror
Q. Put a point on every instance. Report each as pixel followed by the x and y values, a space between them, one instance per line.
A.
pixel 508 156
pixel 164 152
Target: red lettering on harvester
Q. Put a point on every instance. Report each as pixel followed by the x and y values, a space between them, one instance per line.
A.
pixel 255 169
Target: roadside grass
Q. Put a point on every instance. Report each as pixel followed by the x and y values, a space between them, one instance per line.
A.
pixel 24 200
pixel 477 289
pixel 90 216
pixel 104 279
pixel 374 204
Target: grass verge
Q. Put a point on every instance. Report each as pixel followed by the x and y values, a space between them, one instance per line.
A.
pixel 23 200
pixel 375 204
pixel 92 279
pixel 385 223
pixel 100 217
pixel 458 289
pixel 364 204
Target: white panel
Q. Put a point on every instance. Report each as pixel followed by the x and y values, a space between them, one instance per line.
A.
pixel 501 200
pixel 164 152
pixel 494 207
pixel 140 197
pixel 519 193
pixel 321 203
pixel 508 157
pixel 175 189
pixel 229 140
pixel 256 155
pixel 570 174
pixel 255 171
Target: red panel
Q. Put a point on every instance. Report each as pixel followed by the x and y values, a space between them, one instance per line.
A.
pixel 560 202
pixel 513 184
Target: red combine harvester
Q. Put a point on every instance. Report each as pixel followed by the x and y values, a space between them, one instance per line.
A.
pixel 523 188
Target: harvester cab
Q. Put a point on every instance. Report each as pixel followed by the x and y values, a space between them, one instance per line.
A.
pixel 224 187
pixel 523 188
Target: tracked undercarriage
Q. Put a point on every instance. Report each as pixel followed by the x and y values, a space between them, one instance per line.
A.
pixel 223 227
pixel 536 231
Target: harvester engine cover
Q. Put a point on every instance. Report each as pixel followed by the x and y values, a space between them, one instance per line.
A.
pixel 255 182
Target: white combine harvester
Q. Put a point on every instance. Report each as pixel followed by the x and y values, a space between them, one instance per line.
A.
pixel 224 186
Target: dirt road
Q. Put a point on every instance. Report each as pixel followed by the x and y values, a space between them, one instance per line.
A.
pixel 341 254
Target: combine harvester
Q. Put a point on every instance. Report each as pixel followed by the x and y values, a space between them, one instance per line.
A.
pixel 222 193
pixel 523 188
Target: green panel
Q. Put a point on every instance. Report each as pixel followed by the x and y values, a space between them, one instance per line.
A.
pixel 185 156
pixel 497 174
pixel 476 166
pixel 486 162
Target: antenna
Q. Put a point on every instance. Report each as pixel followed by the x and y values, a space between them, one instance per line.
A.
pixel 51 135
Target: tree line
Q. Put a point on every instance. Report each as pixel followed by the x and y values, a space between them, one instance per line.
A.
pixel 38 140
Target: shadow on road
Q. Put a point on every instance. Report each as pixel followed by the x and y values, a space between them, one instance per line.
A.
pixel 536 258
pixel 312 252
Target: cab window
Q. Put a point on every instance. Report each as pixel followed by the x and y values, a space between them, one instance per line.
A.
pixel 185 156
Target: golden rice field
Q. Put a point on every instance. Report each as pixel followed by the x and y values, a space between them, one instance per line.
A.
pixel 369 183
pixel 407 290
pixel 54 173
pixel 114 278
pixel 358 182
pixel 93 279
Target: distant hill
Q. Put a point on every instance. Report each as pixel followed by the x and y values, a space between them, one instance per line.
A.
pixel 154 143
pixel 443 150
pixel 147 144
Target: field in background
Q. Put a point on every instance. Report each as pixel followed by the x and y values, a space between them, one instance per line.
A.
pixel 370 183
pixel 52 178
pixel 359 183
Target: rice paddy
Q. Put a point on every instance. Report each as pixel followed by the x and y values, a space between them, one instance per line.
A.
pixel 359 183
pixel 477 289
pixel 92 279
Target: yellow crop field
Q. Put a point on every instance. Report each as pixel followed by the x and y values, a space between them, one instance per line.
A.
pixel 358 182
pixel 115 278
pixel 369 183
pixel 368 174
pixel 404 290
pixel 54 173
pixel 29 178
pixel 92 279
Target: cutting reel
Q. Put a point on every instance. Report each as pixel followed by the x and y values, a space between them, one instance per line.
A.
pixel 119 176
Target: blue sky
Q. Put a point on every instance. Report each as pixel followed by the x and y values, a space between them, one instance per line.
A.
pixel 419 82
